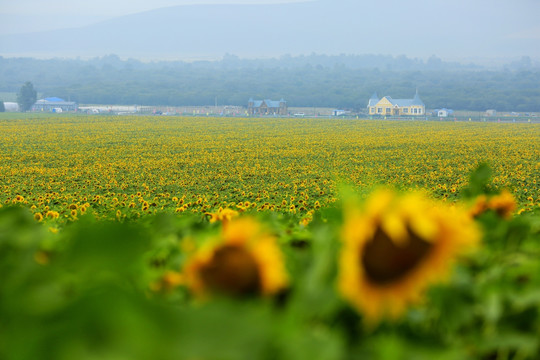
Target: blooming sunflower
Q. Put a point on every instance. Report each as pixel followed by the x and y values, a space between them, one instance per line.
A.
pixel 395 248
pixel 503 204
pixel 223 215
pixel 244 261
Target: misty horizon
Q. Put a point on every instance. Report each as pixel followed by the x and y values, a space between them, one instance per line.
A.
pixel 482 32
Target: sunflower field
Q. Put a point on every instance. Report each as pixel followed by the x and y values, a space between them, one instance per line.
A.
pixel 150 237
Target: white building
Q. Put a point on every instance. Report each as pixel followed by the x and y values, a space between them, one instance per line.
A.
pixel 54 104
pixel 11 106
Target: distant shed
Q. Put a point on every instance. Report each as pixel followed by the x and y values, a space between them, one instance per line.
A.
pixel 54 104
pixel 11 106
pixel 444 112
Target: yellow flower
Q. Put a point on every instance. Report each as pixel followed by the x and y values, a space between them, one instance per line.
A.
pixel 395 248
pixel 38 216
pixel 480 206
pixel 503 204
pixel 223 215
pixel 169 281
pixel 244 261
pixel 52 214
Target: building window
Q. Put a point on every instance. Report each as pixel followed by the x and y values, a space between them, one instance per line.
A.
pixel 388 110
pixel 405 110
pixel 379 110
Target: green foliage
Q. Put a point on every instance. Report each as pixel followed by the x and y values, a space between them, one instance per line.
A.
pixel 86 293
pixel 479 181
pixel 27 96
pixel 314 81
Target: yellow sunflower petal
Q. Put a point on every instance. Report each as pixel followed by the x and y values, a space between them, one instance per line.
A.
pixel 243 261
pixel 382 277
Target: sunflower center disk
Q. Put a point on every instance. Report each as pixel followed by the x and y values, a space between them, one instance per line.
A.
pixel 232 271
pixel 384 262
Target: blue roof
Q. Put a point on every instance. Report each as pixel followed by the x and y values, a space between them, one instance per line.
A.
pixel 415 101
pixel 373 100
pixel 271 103
pixel 54 99
pixel 401 102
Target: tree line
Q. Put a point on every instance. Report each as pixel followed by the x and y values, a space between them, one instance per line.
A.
pixel 315 80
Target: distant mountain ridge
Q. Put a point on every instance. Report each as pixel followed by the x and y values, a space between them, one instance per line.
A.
pixel 187 31
pixel 269 30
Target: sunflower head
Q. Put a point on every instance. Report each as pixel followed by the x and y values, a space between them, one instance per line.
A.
pixel 243 261
pixel 223 215
pixel 502 204
pixel 52 214
pixel 395 247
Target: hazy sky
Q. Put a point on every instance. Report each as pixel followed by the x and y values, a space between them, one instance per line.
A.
pixel 412 27
pixel 17 16
pixel 38 15
pixel 107 7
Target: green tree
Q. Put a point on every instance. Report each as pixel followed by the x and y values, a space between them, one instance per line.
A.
pixel 27 96
pixel 2 107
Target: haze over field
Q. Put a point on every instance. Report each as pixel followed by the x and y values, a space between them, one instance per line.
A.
pixel 166 29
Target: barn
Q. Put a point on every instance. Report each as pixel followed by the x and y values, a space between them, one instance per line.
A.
pixel 54 104
pixel 267 107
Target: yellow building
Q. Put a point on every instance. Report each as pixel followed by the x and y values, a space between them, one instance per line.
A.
pixel 396 107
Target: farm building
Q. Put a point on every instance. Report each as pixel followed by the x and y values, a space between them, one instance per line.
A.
pixel 396 107
pixel 444 112
pixel 54 104
pixel 267 107
pixel 339 112
pixel 11 106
